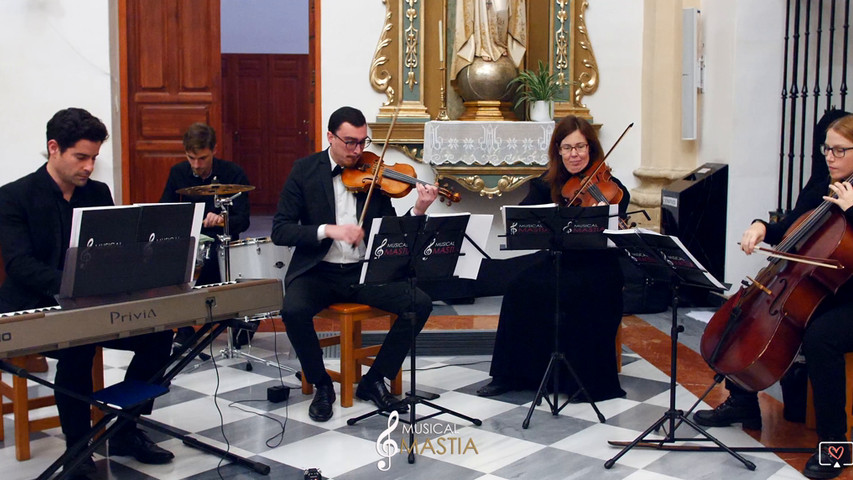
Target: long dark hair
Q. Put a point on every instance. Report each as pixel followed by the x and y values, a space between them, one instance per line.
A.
pixel 557 175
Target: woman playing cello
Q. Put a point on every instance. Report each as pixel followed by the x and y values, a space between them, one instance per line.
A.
pixel 591 291
pixel 829 333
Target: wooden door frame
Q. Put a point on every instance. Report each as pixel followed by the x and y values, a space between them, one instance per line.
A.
pixel 315 114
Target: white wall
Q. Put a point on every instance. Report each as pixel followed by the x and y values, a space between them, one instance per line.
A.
pixel 616 32
pixel 55 54
pixel 741 105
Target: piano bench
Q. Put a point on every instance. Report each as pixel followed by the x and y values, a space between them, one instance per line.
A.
pixel 21 405
pixel 353 354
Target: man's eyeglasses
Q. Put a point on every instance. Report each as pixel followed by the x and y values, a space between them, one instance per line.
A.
pixel 351 144
pixel 837 152
pixel 581 147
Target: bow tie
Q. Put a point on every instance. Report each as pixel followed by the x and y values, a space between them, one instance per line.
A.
pixel 336 171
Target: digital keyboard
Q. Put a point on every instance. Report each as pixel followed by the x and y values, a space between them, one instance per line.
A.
pixel 53 328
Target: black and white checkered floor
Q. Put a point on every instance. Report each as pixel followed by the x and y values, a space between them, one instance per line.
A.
pixel 224 401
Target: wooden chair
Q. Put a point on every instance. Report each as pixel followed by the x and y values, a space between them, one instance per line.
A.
pixel 353 355
pixel 21 405
pixel 810 415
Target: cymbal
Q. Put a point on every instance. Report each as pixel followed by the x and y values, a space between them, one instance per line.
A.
pixel 214 189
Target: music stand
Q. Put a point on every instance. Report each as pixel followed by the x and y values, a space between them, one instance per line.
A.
pixel 665 258
pixel 553 228
pixel 408 248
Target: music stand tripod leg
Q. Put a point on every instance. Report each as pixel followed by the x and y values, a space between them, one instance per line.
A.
pixel 556 357
pixel 412 399
pixel 673 414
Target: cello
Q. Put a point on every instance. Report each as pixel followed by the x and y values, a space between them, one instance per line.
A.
pixel 755 336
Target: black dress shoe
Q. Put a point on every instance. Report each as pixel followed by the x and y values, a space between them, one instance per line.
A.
pixel 321 407
pixel 83 470
pixel 135 443
pixel 814 469
pixel 729 412
pixel 495 387
pixel 376 392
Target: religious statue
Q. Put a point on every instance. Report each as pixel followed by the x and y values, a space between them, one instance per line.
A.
pixel 490 40
pixel 489 29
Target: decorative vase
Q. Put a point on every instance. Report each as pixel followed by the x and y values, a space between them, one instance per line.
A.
pixel 541 111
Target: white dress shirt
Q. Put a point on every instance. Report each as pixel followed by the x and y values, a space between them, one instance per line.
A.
pixel 345 213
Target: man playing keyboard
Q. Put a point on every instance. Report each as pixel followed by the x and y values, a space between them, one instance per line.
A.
pixel 35 230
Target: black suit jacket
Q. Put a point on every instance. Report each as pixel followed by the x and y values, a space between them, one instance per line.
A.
pixel 33 220
pixel 307 201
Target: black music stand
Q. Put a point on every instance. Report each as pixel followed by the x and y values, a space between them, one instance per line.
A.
pixel 407 248
pixel 554 228
pixel 665 258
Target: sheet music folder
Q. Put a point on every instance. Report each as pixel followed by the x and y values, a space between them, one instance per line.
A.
pixel 127 252
pixel 662 257
pixel 533 227
pixel 434 245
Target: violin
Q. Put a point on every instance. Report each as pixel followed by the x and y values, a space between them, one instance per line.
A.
pixel 596 187
pixel 591 190
pixel 395 180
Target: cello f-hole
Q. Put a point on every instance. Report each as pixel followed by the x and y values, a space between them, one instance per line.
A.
pixel 783 282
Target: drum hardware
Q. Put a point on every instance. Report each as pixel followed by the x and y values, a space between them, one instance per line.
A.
pixel 224 203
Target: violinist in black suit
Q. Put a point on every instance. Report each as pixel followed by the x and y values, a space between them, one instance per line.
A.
pixel 319 216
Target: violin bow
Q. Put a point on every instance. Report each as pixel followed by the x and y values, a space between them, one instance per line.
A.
pixel 378 167
pixel 594 172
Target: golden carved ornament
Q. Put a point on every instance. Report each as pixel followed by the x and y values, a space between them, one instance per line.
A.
pixel 380 77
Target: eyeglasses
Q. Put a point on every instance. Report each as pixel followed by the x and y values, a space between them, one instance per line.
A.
pixel 837 152
pixel 581 147
pixel 351 144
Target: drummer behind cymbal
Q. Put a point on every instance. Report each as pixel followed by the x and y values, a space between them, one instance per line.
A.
pixel 203 168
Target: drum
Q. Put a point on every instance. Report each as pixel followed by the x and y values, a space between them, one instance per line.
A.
pixel 202 254
pixel 255 258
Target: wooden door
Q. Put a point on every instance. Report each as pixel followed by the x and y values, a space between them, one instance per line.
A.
pixel 169 52
pixel 266 108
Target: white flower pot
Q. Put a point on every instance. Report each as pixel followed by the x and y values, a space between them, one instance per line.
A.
pixel 541 111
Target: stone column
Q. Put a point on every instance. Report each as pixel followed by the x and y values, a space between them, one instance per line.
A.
pixel 664 155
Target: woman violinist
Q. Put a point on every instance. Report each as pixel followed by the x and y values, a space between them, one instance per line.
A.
pixel 829 333
pixel 591 291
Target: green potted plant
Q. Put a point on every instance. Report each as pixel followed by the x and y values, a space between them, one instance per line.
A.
pixel 538 90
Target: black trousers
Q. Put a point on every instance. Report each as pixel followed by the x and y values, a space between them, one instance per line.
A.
pixel 828 336
pixel 329 283
pixel 74 372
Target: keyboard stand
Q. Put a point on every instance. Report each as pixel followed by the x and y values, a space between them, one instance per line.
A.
pixel 83 449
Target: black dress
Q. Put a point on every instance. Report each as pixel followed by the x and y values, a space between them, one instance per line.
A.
pixel 591 303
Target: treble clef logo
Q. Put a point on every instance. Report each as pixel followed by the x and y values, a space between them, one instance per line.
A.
pixel 384 445
pixel 380 250
pixel 513 229
pixel 428 249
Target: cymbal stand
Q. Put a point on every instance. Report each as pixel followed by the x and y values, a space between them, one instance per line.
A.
pixel 230 351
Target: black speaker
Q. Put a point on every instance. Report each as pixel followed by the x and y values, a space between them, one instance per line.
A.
pixel 694 210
